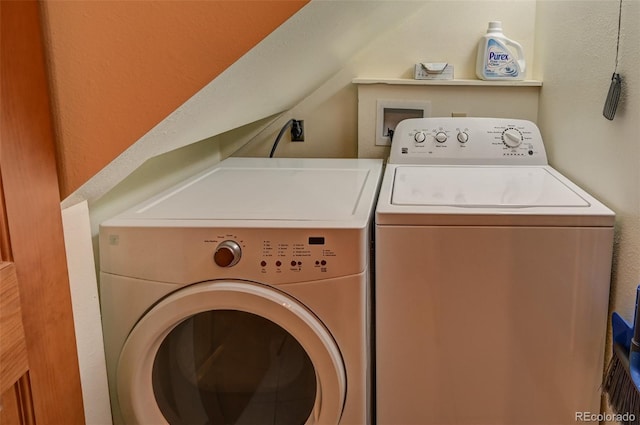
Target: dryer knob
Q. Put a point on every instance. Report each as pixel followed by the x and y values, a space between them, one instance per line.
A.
pixel 227 254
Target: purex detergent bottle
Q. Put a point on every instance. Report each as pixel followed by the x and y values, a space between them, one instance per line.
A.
pixel 499 58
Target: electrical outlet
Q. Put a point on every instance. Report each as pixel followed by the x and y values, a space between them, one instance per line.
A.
pixel 297 131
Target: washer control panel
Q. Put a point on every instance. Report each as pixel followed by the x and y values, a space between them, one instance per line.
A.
pixel 467 141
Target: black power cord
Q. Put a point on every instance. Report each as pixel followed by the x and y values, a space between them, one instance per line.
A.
pixel 296 129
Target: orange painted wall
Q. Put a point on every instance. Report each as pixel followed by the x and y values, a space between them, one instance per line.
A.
pixel 120 67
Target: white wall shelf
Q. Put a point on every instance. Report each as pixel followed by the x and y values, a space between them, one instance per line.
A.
pixel 455 82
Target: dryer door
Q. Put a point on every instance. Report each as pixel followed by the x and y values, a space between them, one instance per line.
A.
pixel 230 352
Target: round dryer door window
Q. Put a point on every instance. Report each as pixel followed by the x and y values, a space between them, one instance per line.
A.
pixel 230 353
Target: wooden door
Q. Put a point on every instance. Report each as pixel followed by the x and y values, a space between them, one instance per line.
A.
pixel 16 406
pixel 39 374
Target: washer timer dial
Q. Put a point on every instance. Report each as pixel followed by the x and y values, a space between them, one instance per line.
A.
pixel 512 137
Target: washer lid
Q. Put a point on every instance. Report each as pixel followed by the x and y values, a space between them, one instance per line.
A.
pixel 482 187
pixel 436 195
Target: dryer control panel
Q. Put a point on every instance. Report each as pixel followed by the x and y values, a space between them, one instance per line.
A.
pixel 467 141
pixel 286 255
pixel 272 255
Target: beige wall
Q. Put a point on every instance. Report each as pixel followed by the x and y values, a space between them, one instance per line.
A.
pixel 576 44
pixel 120 67
pixel 436 31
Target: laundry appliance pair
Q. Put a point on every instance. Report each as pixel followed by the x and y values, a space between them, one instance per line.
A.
pixel 243 295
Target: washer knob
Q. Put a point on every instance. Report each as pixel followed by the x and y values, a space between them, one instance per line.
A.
pixel 463 137
pixel 441 137
pixel 512 137
pixel 227 254
pixel 420 137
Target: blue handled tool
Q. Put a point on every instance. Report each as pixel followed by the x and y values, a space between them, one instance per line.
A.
pixel 622 381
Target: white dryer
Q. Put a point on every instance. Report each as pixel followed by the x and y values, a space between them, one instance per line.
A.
pixel 242 296
pixel 492 279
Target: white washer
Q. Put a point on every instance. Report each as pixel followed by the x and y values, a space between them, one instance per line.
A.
pixel 242 296
pixel 492 279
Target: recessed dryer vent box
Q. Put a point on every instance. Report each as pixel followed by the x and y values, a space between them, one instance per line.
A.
pixel 391 112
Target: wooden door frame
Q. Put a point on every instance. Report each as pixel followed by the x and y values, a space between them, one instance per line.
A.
pixel 32 202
